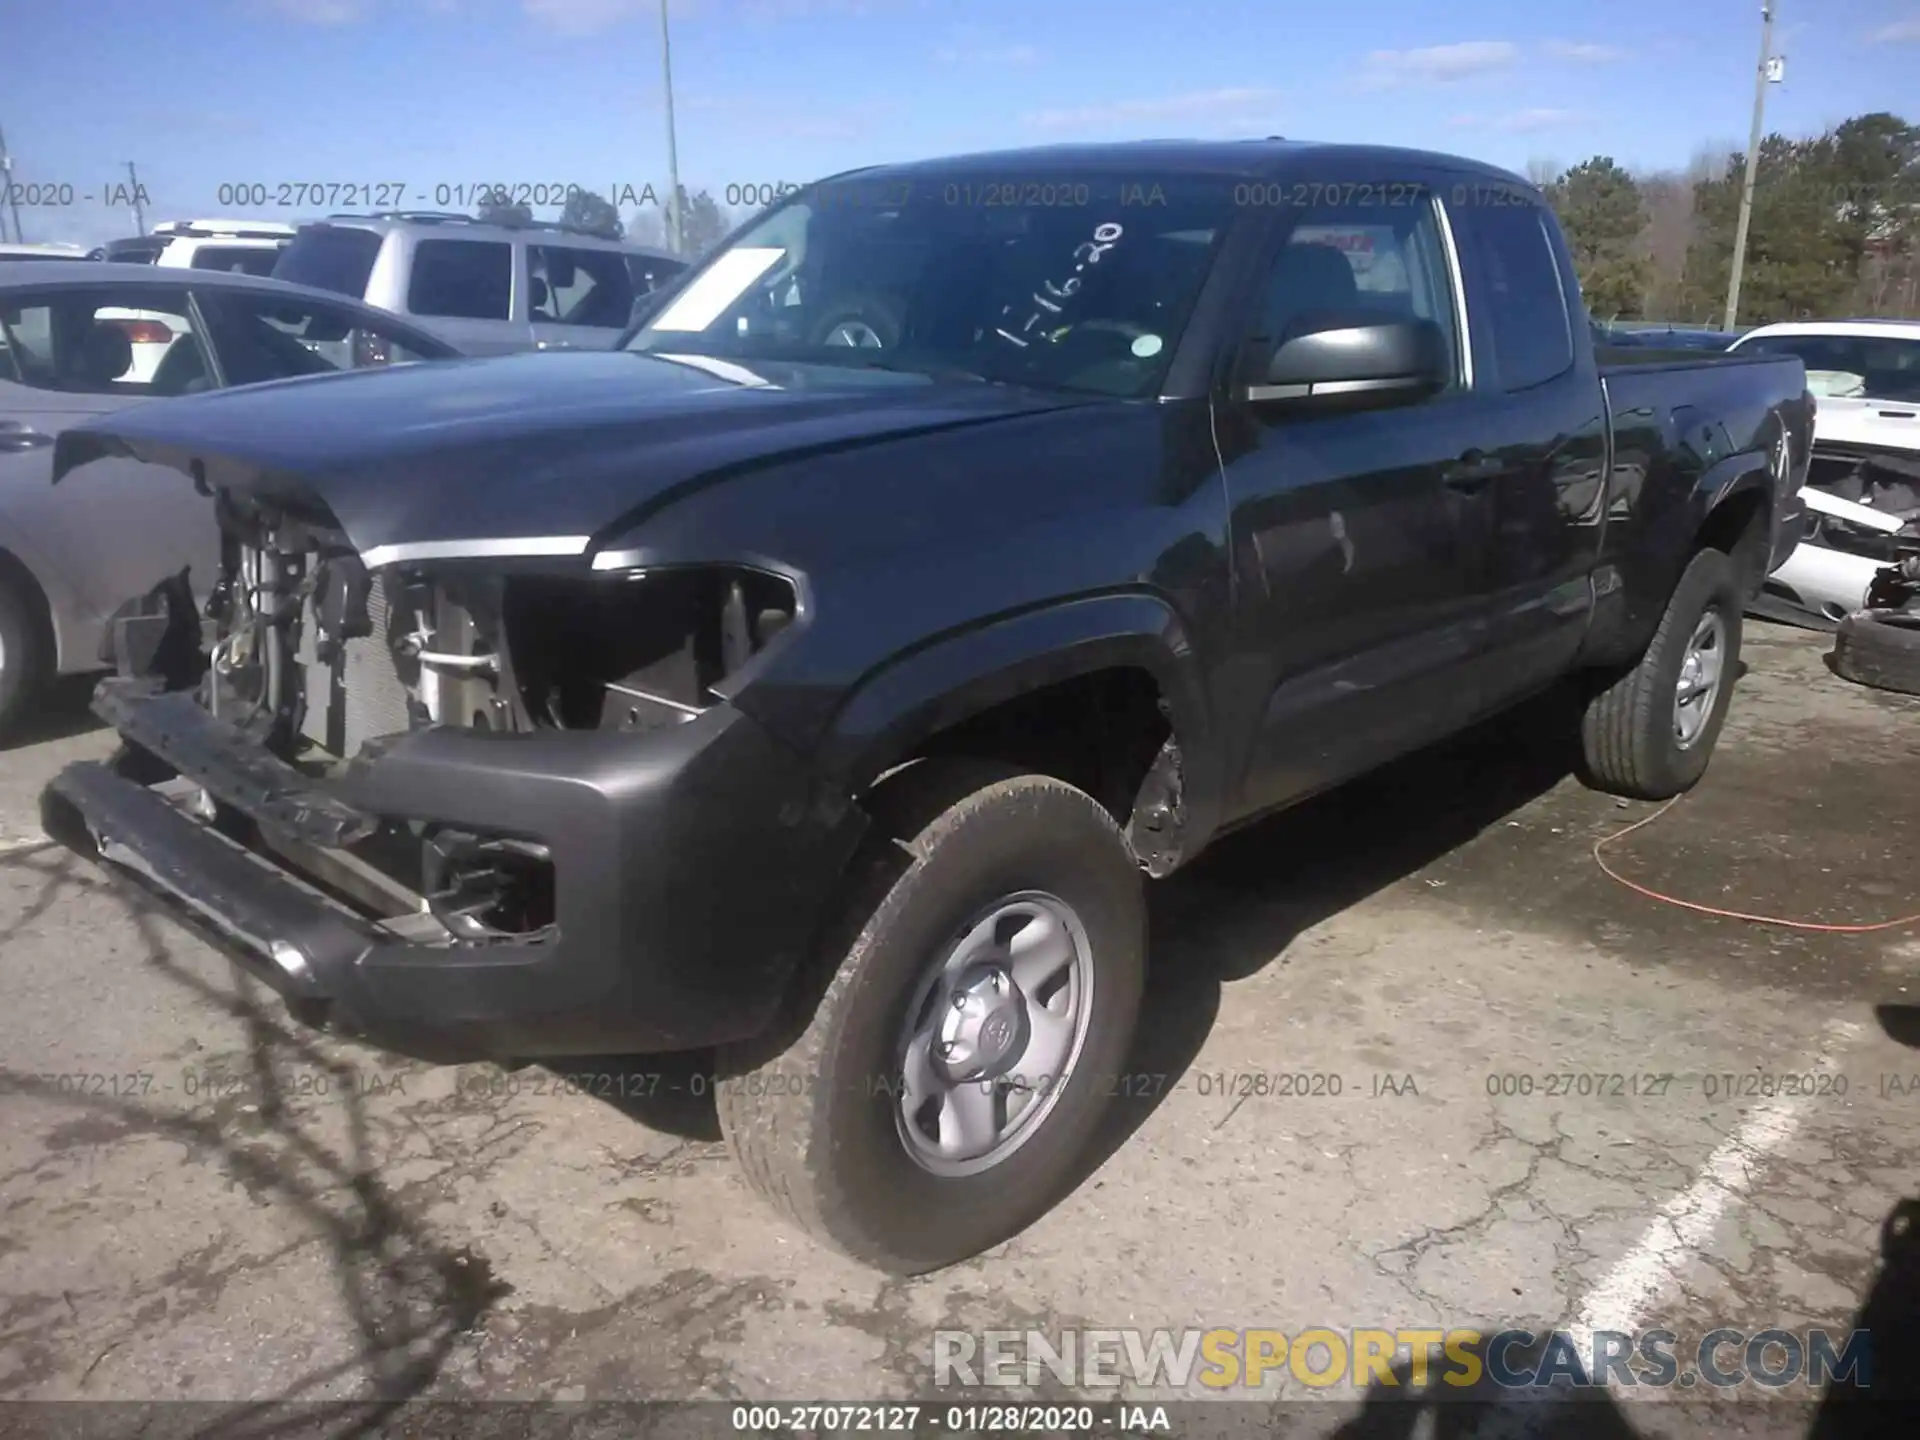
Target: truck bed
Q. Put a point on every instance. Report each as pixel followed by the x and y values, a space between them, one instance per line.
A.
pixel 1638 358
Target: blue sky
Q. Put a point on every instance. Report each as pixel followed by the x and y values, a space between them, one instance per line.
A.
pixel 449 92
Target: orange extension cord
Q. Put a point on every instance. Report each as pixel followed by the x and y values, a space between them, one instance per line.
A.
pixel 1695 905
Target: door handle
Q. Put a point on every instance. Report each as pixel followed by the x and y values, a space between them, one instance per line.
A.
pixel 15 437
pixel 1473 470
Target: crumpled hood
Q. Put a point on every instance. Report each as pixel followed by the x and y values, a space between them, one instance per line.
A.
pixel 561 448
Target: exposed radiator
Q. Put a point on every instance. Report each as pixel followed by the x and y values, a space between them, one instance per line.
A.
pixel 360 695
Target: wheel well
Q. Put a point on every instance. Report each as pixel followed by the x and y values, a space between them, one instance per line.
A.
pixel 1101 732
pixel 1738 526
pixel 15 577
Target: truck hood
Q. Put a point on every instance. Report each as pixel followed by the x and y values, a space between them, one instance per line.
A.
pixel 526 454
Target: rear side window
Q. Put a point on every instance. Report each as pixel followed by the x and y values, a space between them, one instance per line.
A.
pixel 462 279
pixel 246 259
pixel 1524 306
pixel 330 257
pixel 579 287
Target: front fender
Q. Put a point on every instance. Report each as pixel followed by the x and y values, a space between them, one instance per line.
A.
pixel 72 622
pixel 899 704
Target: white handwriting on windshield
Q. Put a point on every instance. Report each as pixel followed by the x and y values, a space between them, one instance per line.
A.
pixel 1049 300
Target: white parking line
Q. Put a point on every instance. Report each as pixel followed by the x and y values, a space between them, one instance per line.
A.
pixel 1625 1297
pixel 10 846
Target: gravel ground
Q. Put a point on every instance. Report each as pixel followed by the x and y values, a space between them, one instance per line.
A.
pixel 202 1201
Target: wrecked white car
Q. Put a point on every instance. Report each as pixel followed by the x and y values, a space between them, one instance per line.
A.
pixel 1863 486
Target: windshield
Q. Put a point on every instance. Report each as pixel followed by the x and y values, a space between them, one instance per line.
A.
pixel 1877 367
pixel 1079 285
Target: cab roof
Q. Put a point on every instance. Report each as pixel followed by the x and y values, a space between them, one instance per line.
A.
pixel 1264 159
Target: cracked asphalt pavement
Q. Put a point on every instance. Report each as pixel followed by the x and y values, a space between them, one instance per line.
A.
pixel 199 1199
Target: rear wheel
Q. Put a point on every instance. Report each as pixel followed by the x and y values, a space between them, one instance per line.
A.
pixel 987 976
pixel 1650 733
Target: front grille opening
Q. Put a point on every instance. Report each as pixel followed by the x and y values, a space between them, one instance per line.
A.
pixel 639 653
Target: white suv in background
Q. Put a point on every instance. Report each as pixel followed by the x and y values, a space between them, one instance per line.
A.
pixel 249 246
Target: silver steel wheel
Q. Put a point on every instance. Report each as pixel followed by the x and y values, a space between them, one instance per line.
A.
pixel 856 333
pixel 993 1033
pixel 1700 676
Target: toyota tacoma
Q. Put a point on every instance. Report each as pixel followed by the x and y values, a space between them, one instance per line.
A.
pixel 818 676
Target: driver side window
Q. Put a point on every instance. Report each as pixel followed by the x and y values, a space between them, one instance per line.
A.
pixel 265 337
pixel 1360 261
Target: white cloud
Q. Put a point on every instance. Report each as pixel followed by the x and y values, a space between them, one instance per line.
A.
pixel 1440 64
pixel 584 17
pixel 987 55
pixel 318 12
pixel 1520 122
pixel 1229 106
pixel 1587 50
pixel 1901 32
pixel 765 10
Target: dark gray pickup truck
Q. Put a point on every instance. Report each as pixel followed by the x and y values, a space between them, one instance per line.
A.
pixel 818 675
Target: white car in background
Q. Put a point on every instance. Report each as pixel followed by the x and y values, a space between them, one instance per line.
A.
pixel 248 246
pixel 1864 482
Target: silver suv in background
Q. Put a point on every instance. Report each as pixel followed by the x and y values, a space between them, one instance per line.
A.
pixel 486 287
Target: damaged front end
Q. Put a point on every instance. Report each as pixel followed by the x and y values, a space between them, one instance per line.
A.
pixel 508 769
pixel 1863 504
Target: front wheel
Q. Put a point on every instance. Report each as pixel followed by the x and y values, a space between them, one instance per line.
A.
pixel 23 655
pixel 1650 733
pixel 949 1083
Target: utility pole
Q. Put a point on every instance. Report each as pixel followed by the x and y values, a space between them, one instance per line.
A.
pixel 139 215
pixel 13 200
pixel 1761 78
pixel 675 227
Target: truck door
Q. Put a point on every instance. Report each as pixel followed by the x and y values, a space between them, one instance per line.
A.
pixel 1354 572
pixel 1541 436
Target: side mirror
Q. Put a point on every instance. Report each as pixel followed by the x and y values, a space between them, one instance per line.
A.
pixel 1355 359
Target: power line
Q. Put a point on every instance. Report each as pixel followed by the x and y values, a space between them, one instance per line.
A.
pixel 1764 74
pixel 139 215
pixel 13 198
pixel 676 229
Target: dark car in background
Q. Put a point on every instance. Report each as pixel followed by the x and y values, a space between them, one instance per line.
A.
pixel 1658 335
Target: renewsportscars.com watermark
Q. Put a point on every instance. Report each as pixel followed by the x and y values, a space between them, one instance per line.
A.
pixel 1322 1358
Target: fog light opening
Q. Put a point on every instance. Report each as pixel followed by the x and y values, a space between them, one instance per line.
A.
pixel 487 887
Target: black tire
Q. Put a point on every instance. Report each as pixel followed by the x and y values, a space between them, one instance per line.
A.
pixel 1628 732
pixel 876 313
pixel 23 653
pixel 1881 649
pixel 801 1112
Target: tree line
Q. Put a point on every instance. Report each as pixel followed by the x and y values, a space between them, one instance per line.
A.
pixel 1835 229
pixel 704 222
